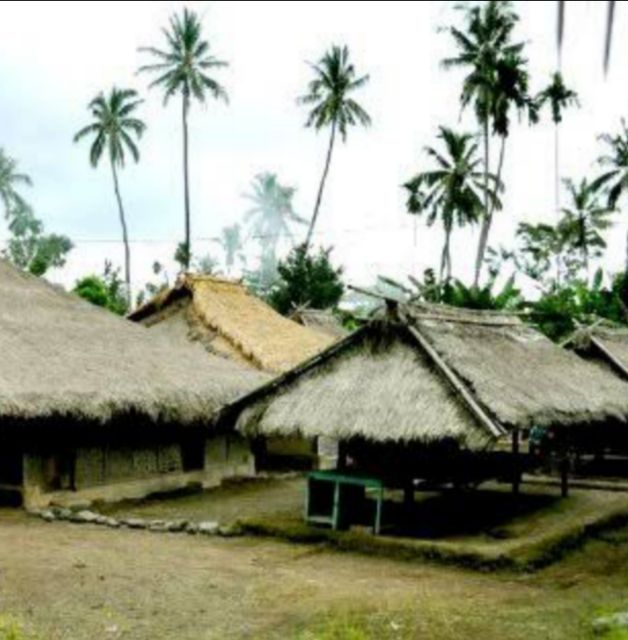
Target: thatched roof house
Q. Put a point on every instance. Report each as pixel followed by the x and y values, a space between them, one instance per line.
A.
pixel 603 345
pixel 93 406
pixel 229 321
pixel 64 357
pixel 427 374
pixel 322 321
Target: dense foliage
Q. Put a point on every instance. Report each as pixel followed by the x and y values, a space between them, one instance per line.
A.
pixel 106 290
pixel 306 279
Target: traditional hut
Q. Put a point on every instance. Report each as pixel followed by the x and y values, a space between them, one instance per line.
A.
pixel 433 377
pixel 95 407
pixel 227 320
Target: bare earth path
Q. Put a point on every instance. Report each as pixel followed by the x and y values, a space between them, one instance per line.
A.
pixel 77 582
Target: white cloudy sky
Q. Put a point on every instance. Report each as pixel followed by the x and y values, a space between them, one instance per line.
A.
pixel 54 56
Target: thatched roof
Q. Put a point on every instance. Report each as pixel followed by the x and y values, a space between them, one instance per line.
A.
pixel 604 345
pixel 427 373
pixel 64 357
pixel 322 321
pixel 227 320
pixel 517 373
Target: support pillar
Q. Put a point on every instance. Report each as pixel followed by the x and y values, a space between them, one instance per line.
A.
pixel 516 463
pixel 564 475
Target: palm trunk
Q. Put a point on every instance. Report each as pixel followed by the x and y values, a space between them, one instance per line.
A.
pixel 125 235
pixel 487 159
pixel 445 260
pixel 186 181
pixel 557 170
pixel 321 187
pixel 488 219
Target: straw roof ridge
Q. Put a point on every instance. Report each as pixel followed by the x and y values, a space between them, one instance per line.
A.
pixel 63 356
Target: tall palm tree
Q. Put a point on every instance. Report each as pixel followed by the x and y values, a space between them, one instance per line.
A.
pixel 10 181
pixel 335 79
pixel 585 220
pixel 483 44
pixel 452 191
pixel 270 217
pixel 113 129
pixel 182 68
pixel 558 97
pixel 615 179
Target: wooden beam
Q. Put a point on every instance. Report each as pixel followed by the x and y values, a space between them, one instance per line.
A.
pixel 487 321
pixel 615 363
pixel 457 384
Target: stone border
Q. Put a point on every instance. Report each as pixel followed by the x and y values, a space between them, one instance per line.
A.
pixel 87 516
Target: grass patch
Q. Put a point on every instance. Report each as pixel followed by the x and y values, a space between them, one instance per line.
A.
pixel 12 629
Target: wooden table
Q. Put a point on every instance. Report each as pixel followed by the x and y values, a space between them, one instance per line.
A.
pixel 333 497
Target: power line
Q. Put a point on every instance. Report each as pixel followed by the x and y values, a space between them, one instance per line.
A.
pixel 348 230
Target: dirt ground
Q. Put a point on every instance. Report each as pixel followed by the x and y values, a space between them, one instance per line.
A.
pixel 76 582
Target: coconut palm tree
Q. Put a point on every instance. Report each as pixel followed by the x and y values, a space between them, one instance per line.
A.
pixel 329 95
pixel 113 129
pixel 452 191
pixel 10 181
pixel 270 217
pixel 183 68
pixel 585 220
pixel 558 97
pixel 615 179
pixel 486 51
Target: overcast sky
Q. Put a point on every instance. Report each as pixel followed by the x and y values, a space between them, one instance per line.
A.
pixel 55 56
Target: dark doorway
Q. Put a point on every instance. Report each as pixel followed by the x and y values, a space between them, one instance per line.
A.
pixel 59 471
pixel 11 475
pixel 193 452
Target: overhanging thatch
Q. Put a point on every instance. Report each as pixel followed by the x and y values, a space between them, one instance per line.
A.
pixel 227 320
pixel 63 357
pixel 430 373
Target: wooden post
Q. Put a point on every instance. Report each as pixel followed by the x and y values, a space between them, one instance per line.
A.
pixel 341 462
pixel 564 475
pixel 408 495
pixel 378 511
pixel 336 515
pixel 516 463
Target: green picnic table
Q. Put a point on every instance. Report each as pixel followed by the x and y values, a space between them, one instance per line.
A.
pixel 335 498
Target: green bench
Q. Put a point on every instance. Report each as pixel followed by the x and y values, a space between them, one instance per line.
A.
pixel 338 498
